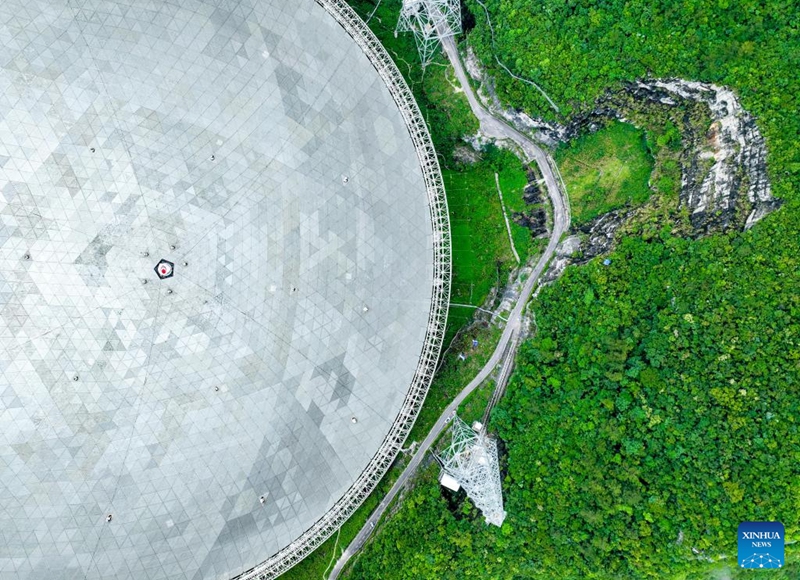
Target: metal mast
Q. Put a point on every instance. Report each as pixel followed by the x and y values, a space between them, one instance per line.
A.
pixel 430 21
pixel 471 460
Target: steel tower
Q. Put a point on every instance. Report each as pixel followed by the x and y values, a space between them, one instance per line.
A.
pixel 430 21
pixel 471 460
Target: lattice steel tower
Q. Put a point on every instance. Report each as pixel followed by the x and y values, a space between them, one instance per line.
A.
pixel 471 460
pixel 430 21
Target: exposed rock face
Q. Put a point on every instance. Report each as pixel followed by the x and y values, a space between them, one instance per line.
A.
pixel 532 193
pixel 723 169
pixel 588 241
pixel 565 255
pixel 535 220
pixel 601 234
pixel 736 149
pixel 535 216
pixel 720 168
pixel 468 155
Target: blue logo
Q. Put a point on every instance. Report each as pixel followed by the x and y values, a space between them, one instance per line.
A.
pixel 761 545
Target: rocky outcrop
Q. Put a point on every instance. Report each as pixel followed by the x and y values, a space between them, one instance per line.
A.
pixel 534 218
pixel 532 194
pixel 734 148
pixel 723 166
pixel 724 181
pixel 592 239
pixel 566 253
pixel 601 234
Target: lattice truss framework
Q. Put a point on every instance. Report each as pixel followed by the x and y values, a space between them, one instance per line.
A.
pixel 429 21
pixel 471 460
pixel 326 526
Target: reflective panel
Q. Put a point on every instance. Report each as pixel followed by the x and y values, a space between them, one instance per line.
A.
pixel 215 253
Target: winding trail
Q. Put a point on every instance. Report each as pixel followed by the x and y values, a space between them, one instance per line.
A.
pixel 493 128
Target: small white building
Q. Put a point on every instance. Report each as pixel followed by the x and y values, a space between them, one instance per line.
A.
pixel 449 481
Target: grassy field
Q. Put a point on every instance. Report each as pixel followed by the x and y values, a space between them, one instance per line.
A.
pixel 454 373
pixel 512 183
pixel 474 405
pixel 482 256
pixel 605 170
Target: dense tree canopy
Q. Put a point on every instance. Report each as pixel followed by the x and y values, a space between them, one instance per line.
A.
pixel 657 402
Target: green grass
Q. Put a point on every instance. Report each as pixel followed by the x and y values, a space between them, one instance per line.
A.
pixel 605 170
pixel 480 243
pixel 512 183
pixel 454 374
pixel 319 560
pixel 482 255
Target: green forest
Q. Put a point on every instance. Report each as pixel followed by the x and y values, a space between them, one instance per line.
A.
pixel 658 404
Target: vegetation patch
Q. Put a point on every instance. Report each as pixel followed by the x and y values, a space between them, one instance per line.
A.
pixel 606 169
pixel 639 423
pixel 459 366
pixel 482 256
